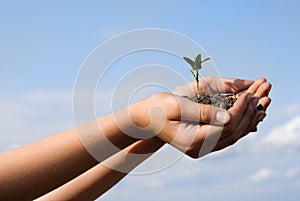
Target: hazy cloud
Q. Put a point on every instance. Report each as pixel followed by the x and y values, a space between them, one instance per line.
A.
pixel 292 172
pixel 261 175
pixel 154 183
pixel 28 117
pixel 284 137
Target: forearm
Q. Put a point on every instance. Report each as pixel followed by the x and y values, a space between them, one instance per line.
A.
pixel 102 177
pixel 35 169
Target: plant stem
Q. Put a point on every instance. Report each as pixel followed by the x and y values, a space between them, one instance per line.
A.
pixel 197 84
pixel 198 92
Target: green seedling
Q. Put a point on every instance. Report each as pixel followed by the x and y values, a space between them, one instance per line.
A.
pixel 196 66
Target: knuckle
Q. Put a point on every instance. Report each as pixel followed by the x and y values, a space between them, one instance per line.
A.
pixel 161 95
pixel 165 99
pixel 205 112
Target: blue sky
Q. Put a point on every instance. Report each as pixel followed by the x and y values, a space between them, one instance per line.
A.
pixel 43 44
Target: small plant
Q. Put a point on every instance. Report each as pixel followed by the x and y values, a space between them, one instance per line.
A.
pixel 221 100
pixel 196 66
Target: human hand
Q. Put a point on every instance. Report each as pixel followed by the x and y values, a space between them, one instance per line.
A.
pixel 175 119
pixel 259 91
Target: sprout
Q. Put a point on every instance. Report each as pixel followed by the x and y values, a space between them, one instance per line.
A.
pixel 196 66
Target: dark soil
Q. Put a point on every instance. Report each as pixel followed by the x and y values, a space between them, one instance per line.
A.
pixel 224 101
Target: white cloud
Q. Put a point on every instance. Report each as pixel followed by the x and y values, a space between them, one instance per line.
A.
pixel 292 172
pixel 267 173
pixel 285 137
pixel 28 117
pixel 154 183
pixel 261 175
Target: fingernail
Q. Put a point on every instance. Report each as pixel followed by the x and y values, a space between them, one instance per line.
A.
pixel 222 117
pixel 259 107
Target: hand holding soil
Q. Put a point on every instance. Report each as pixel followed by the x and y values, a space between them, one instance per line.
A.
pixel 198 129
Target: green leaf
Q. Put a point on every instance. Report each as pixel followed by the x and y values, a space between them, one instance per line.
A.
pixel 193 74
pixel 188 60
pixel 198 61
pixel 205 60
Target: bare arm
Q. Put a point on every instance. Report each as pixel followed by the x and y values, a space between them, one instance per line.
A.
pixel 99 179
pixel 35 169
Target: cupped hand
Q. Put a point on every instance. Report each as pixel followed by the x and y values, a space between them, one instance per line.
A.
pixel 198 129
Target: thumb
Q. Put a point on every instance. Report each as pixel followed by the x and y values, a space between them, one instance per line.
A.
pixel 208 114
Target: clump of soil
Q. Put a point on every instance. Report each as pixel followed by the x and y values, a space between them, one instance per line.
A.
pixel 223 101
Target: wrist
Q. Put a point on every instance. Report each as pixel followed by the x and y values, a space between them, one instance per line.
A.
pixel 140 118
pixel 115 128
pixel 138 113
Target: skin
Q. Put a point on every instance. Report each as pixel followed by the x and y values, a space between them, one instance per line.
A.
pixel 64 157
pixel 31 171
pixel 181 128
pixel 99 179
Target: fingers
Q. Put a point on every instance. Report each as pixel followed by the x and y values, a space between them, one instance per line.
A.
pixel 223 85
pixel 237 113
pixel 240 106
pixel 248 123
pixel 226 85
pixel 263 90
pixel 203 113
pixel 243 113
pixel 239 120
pixel 265 102
pixel 260 88
pixel 198 140
pixel 213 85
pixel 218 137
pixel 233 85
pixel 252 127
pixel 250 120
pixel 254 87
pixel 261 115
